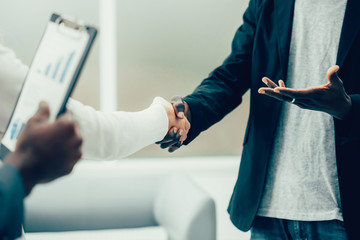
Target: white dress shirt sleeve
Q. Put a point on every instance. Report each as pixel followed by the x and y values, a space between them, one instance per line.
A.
pixel 115 135
pixel 111 135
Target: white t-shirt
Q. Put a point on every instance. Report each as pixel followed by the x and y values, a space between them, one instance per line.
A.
pixel 302 181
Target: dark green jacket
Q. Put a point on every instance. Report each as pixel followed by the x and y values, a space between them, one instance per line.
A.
pixel 261 48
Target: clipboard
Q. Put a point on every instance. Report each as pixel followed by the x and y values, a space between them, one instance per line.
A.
pixel 52 75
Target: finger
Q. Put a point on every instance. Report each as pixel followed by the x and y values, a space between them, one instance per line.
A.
pixel 70 116
pixel 168 144
pixel 43 112
pixel 179 106
pixel 166 139
pixel 169 136
pixel 332 75
pixel 281 83
pixel 270 92
pixel 75 141
pixel 183 135
pixel 187 125
pixel 269 82
pixel 177 137
pixel 64 129
pixel 171 143
pixel 295 93
pixel 175 147
pixel 78 134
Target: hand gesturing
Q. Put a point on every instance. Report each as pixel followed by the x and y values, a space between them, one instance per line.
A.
pixel 330 98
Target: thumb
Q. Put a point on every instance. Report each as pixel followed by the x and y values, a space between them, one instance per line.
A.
pixel 180 115
pixel 332 75
pixel 43 111
pixel 179 106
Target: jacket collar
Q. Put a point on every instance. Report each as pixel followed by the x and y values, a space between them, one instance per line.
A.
pixel 284 13
pixel 350 29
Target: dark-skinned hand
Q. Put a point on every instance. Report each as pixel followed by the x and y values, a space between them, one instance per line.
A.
pixel 44 150
pixel 330 97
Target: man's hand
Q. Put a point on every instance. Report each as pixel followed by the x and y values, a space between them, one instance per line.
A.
pixel 174 139
pixel 46 151
pixel 330 98
pixel 178 124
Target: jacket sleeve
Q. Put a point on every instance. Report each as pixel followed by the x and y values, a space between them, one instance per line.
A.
pixel 12 194
pixel 349 128
pixel 115 135
pixel 222 91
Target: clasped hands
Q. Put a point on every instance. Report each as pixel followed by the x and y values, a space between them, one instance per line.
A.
pixel 179 122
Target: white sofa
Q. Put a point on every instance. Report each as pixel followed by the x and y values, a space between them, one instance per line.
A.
pixel 107 200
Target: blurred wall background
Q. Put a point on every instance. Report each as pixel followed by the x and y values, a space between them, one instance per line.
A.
pixel 165 48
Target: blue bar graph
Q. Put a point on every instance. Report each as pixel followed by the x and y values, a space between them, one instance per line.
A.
pixel 57 69
pixel 47 70
pixel 67 67
pixel 53 70
pixel 16 129
pixel 13 129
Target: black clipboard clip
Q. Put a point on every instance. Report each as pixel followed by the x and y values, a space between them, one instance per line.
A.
pixel 64 24
pixel 70 24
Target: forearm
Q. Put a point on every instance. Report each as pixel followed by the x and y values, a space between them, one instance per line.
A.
pixel 115 135
pixel 12 194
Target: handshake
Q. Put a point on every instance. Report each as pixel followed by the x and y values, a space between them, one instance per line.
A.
pixel 179 122
pixel 48 150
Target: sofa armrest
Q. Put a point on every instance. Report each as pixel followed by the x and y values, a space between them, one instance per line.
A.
pixel 185 210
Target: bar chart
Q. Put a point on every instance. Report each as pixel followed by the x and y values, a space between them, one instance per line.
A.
pixel 58 69
pixel 16 129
